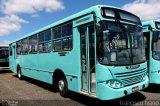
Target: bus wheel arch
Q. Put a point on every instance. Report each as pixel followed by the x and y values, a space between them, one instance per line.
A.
pixel 60 82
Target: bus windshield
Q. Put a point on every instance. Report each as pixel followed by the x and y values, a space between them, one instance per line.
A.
pixel 3 54
pixel 120 44
pixel 156 47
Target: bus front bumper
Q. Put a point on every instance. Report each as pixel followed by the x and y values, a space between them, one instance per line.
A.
pixel 105 92
pixel 4 68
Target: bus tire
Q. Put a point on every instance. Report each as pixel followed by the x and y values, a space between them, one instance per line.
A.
pixel 63 87
pixel 19 73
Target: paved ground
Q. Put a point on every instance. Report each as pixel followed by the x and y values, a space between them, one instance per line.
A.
pixel 34 93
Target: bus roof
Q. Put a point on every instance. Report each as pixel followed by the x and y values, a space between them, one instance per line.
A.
pixel 74 16
pixel 151 23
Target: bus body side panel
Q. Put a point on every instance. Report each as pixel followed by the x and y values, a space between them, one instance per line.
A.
pixel 73 72
pixel 41 66
pixel 154 71
pixel 29 67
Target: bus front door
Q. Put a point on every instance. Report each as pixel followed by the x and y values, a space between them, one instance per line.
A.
pixel 13 58
pixel 87 40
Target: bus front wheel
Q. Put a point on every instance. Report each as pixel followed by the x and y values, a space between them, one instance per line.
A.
pixel 63 87
pixel 19 74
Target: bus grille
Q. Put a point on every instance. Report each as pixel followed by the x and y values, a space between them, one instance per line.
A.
pixel 132 77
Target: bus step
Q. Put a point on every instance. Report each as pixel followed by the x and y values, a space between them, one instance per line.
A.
pixel 93 86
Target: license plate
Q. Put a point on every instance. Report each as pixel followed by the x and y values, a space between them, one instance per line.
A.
pixel 134 89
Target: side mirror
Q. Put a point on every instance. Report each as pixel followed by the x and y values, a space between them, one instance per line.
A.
pixel 98 29
pixel 155 36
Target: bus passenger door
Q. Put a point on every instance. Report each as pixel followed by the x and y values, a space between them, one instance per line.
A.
pixel 87 40
pixel 12 56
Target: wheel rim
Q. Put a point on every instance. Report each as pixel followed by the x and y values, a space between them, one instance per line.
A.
pixel 19 74
pixel 61 85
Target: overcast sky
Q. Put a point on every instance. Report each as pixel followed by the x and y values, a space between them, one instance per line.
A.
pixel 20 17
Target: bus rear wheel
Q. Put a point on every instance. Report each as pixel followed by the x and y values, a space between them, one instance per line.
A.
pixel 19 74
pixel 63 87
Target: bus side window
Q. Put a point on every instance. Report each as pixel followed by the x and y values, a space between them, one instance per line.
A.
pixel 25 46
pixel 45 41
pixel 147 43
pixel 10 51
pixel 67 43
pixel 33 42
pixel 18 47
pixel 67 33
pixel 57 38
pixel 62 37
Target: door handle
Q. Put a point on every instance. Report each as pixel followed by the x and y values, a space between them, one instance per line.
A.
pixel 62 53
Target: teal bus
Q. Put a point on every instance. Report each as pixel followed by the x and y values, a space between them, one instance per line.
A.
pixel 151 30
pixel 98 52
pixel 4 57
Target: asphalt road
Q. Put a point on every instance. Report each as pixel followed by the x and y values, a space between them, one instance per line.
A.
pixel 29 92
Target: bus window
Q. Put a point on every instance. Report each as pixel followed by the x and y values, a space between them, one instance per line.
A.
pixel 62 37
pixel 156 48
pixel 10 51
pixel 57 32
pixel 47 47
pixel 67 30
pixel 67 43
pixel 45 41
pixel 57 45
pixel 3 54
pixel 18 48
pixel 67 33
pixel 33 42
pixel 25 46
pixel 4 57
pixel 92 57
pixel 147 43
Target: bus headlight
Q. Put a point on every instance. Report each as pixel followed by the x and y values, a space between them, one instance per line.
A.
pixel 114 83
pixel 144 77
